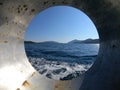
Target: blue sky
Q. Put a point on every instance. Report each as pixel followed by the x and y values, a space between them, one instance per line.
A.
pixel 61 24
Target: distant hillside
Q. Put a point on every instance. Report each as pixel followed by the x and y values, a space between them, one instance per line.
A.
pixel 49 42
pixel 87 41
pixel 29 42
pixel 75 41
pixel 94 41
pixel 45 42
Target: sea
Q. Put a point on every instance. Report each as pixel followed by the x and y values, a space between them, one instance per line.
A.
pixel 61 61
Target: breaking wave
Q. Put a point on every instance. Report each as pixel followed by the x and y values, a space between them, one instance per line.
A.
pixel 61 61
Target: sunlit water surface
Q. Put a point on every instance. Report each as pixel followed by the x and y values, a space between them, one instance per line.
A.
pixel 61 61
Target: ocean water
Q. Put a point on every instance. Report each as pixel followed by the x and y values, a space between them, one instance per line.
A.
pixel 61 61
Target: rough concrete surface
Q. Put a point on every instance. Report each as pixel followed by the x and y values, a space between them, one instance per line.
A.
pixel 16 73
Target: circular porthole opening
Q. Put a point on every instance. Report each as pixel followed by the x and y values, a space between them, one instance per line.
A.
pixel 61 43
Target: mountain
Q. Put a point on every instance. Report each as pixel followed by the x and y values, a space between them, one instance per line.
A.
pixel 87 41
pixel 75 41
pixel 92 41
pixel 29 42
pixel 49 42
pixel 45 42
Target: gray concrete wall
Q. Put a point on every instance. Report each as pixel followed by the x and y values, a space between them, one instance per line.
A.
pixel 16 73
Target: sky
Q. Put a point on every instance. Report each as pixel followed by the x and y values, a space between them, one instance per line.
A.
pixel 61 24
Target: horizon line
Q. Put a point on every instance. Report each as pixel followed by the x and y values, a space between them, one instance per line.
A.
pixel 58 41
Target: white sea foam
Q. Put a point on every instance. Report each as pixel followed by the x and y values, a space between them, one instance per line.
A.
pixel 58 70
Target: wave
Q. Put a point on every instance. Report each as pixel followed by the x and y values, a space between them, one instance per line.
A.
pixel 59 70
pixel 61 61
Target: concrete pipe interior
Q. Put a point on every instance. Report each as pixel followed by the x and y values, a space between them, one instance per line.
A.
pixel 16 73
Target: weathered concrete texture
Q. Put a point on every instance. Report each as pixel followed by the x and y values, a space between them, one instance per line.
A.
pixel 105 73
pixel 16 73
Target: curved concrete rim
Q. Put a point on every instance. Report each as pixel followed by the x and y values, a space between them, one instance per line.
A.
pixel 46 9
pixel 16 73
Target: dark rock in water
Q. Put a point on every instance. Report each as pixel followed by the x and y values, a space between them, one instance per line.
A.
pixel 58 71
